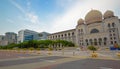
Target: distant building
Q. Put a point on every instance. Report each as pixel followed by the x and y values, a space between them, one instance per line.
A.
pixel 96 29
pixel 11 37
pixel 8 38
pixel 3 42
pixel 2 37
pixel 43 35
pixel 26 35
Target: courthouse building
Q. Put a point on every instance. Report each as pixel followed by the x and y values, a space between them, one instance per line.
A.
pixel 95 29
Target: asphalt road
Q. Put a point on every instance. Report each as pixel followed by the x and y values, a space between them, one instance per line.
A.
pixel 89 64
pixel 8 55
pixel 25 61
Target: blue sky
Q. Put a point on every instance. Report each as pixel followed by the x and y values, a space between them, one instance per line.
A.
pixel 49 15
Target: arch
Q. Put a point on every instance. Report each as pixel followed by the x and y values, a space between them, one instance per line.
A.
pixel 100 41
pixel 113 24
pixel 87 41
pixel 95 41
pixel 65 35
pixel 91 42
pixel 68 34
pixel 78 30
pixel 81 30
pixel 109 25
pixel 105 40
pixel 94 31
pixel 59 36
pixel 72 33
pixel 53 37
pixel 62 35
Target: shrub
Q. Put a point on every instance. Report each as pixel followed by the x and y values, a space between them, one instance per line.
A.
pixel 92 48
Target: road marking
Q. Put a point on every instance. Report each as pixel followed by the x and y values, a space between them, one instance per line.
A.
pixel 47 60
pixel 105 68
pixel 21 57
pixel 51 61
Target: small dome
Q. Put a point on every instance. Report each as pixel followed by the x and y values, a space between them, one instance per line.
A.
pixel 108 14
pixel 80 21
pixel 93 16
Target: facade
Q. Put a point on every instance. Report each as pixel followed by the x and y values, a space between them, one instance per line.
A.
pixel 96 29
pixel 3 42
pixel 26 35
pixel 11 37
pixel 8 38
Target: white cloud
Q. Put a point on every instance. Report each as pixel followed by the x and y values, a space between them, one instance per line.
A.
pixel 10 21
pixel 78 9
pixel 30 17
pixel 17 6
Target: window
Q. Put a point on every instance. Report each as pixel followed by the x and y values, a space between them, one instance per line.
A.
pixel 111 42
pixel 113 24
pixel 82 43
pixel 110 34
pixel 113 30
pixel 61 35
pixel 105 41
pixel 81 30
pixel 65 35
pixel 58 35
pixel 68 34
pixel 109 25
pixel 110 31
pixel 94 31
pixel 95 41
pixel 86 40
pixel 113 34
pixel 72 33
pixel 78 30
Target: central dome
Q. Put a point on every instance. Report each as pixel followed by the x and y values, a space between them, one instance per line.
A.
pixel 93 16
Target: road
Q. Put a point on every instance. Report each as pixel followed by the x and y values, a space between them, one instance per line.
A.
pixel 87 64
pixel 26 61
pixel 59 60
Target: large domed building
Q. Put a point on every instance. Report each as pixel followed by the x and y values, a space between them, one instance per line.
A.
pixel 95 29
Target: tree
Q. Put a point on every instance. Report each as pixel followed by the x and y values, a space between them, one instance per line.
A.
pixel 92 48
pixel 65 43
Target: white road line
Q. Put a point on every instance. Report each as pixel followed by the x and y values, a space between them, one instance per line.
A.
pixel 48 60
pixel 105 68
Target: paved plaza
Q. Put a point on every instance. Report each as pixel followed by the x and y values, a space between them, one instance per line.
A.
pixel 59 60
